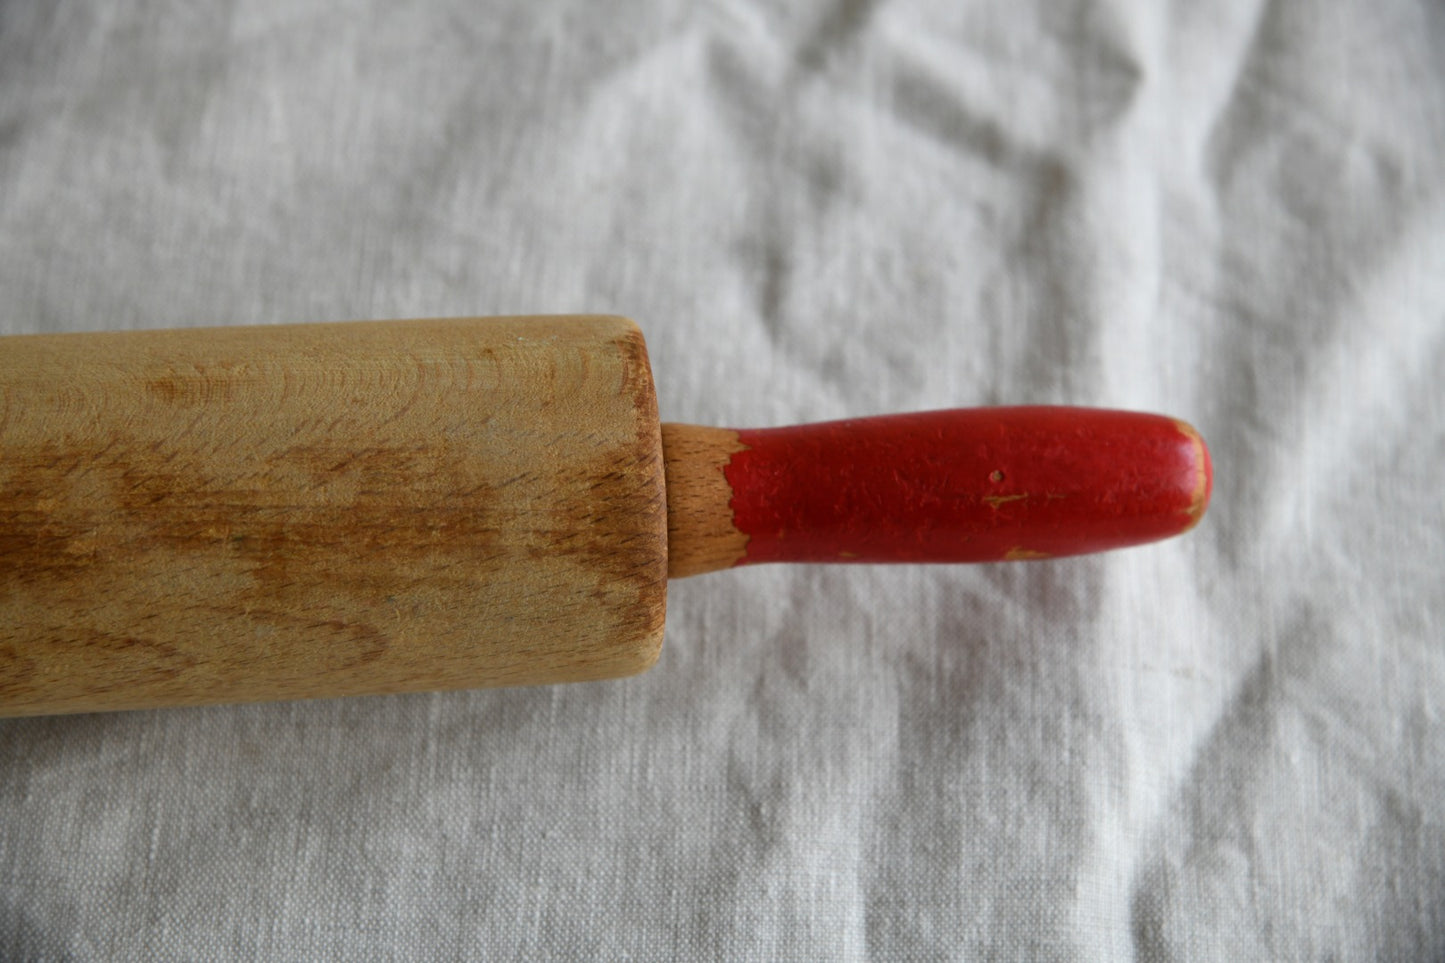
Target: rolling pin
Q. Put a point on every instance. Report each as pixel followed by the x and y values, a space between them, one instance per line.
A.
pixel 283 512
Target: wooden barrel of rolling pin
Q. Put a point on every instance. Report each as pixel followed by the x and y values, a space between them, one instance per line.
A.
pixel 236 514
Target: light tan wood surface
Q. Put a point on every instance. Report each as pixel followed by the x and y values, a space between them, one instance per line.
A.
pixel 701 536
pixel 235 514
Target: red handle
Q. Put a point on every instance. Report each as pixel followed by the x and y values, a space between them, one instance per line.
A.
pixel 972 485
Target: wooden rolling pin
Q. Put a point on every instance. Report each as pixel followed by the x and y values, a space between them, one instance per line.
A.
pixel 237 514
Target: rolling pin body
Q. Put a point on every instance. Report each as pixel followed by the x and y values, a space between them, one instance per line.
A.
pixel 227 515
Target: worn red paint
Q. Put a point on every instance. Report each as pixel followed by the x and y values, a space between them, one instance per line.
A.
pixel 971 485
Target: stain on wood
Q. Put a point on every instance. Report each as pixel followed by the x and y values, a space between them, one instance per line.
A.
pixel 284 512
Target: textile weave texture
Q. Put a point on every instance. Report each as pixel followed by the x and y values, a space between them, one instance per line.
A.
pixel 1223 747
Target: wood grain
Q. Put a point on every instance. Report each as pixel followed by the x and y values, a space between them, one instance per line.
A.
pixel 237 514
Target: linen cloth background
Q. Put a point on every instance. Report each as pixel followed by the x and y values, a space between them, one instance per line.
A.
pixel 1227 746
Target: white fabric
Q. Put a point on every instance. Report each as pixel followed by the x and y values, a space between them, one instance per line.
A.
pixel 1228 746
